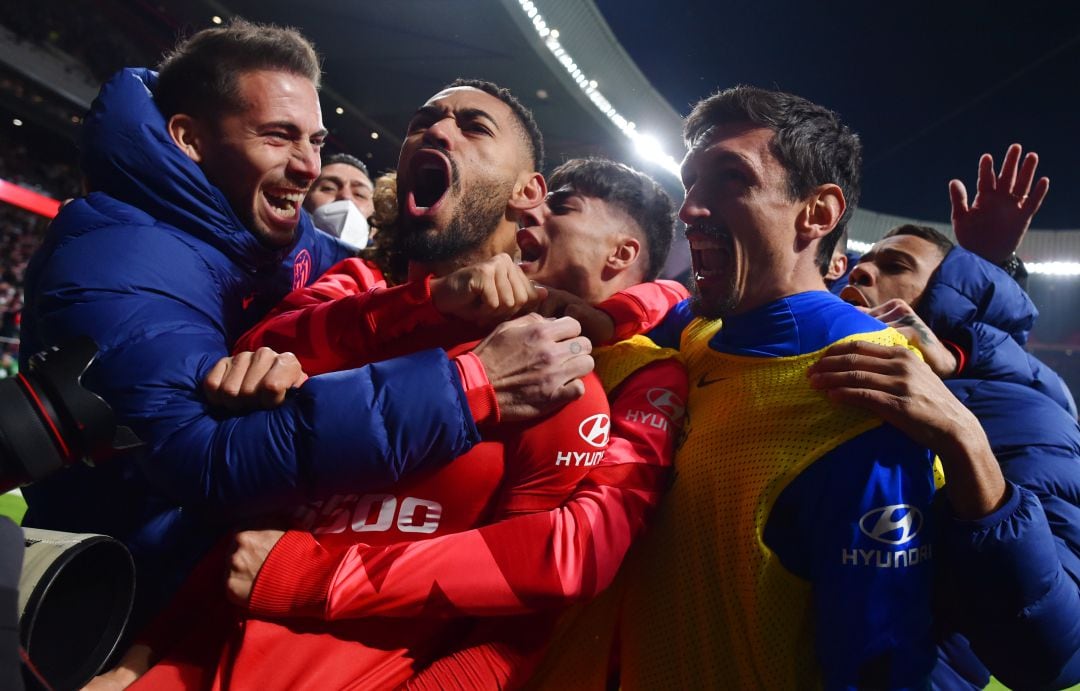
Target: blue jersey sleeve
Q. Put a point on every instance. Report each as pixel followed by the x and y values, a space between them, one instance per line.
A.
pixel 856 525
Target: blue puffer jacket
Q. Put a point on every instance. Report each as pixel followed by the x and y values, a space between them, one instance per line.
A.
pixel 1009 596
pixel 976 305
pixel 155 266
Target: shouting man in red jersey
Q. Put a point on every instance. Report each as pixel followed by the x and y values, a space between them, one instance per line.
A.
pixel 469 136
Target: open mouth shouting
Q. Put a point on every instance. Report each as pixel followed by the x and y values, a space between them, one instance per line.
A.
pixel 532 251
pixel 710 254
pixel 430 176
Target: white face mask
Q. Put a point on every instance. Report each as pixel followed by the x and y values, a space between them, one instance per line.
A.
pixel 342 220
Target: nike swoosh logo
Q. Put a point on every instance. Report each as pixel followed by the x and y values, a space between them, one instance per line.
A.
pixel 702 381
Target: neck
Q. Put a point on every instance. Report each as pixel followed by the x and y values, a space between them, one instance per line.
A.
pixel 503 239
pixel 800 276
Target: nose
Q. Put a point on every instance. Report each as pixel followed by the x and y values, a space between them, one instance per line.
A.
pixel 692 210
pixel 344 192
pixel 534 216
pixel 305 162
pixel 863 274
pixel 442 132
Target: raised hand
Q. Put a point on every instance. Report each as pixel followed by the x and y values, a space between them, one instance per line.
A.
pixel 485 292
pixel 994 225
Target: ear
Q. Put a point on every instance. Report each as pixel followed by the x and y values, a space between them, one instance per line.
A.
pixel 822 212
pixel 626 251
pixel 530 190
pixel 837 267
pixel 186 133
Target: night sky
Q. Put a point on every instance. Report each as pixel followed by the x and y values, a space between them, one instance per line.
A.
pixel 929 86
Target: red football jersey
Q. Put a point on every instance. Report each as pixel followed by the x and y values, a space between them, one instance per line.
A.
pixel 361 557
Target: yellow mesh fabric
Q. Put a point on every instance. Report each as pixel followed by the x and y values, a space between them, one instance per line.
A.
pixel 615 363
pixel 708 605
pixel 579 657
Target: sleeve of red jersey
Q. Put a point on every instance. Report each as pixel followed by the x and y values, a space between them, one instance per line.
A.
pixel 639 308
pixel 345 319
pixel 522 564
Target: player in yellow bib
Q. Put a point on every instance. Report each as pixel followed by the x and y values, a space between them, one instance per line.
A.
pixel 793 549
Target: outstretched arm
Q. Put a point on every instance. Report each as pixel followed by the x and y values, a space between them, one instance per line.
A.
pixel 520 565
pixel 993 226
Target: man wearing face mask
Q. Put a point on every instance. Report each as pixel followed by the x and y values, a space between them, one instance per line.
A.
pixel 340 201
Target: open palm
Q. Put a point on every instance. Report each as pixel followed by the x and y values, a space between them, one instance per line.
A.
pixel 995 224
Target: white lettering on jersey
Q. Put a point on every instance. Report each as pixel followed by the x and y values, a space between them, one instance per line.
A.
pixel 411 507
pixel 578 459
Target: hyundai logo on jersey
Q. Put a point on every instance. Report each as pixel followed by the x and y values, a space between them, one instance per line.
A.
pixel 893 525
pixel 595 429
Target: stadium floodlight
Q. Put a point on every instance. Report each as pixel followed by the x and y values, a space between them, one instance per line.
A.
pixel 647 146
pixel 1053 268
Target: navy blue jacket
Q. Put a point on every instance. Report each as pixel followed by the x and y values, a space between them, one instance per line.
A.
pixel 1009 592
pixel 157 268
pixel 976 305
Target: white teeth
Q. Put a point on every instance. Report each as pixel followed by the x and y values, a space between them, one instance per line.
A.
pixel 295 197
pixel 290 212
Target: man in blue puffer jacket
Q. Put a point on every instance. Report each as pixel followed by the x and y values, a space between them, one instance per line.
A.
pixel 192 230
pixel 1010 581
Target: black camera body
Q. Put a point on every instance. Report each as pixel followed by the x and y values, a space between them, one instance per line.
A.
pixel 48 420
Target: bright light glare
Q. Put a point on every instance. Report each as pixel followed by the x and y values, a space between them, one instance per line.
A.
pixel 1042 268
pixel 647 146
pixel 215 19
pixel 1053 268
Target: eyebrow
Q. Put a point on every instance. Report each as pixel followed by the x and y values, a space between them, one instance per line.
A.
pixel 563 193
pixel 434 111
pixel 717 156
pixel 887 252
pixel 292 127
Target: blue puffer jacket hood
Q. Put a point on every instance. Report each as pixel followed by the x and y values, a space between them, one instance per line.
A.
pixel 967 289
pixel 128 154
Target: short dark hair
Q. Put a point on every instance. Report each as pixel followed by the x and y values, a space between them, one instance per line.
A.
pixel 347 160
pixel 932 235
pixel 199 76
pixel 632 191
pixel 809 141
pixel 529 129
